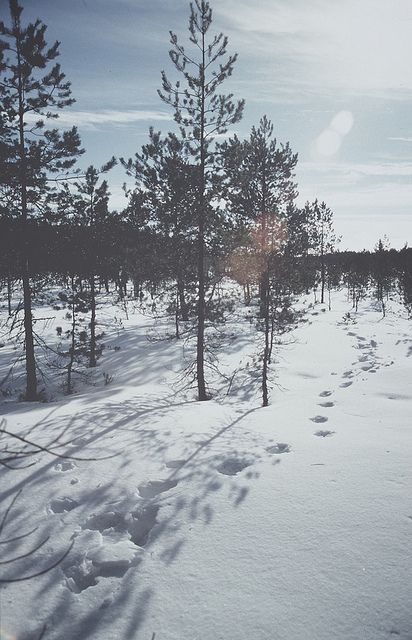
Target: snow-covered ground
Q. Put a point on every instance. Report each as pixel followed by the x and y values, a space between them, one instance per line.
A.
pixel 221 520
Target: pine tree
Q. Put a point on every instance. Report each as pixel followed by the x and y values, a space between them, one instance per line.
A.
pixel 91 205
pixel 32 88
pixel 323 239
pixel 201 112
pixel 166 186
pixel 259 185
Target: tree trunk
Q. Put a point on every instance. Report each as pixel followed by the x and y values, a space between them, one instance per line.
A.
pixel 92 358
pixel 72 343
pixel 247 294
pixel 177 334
pixel 184 311
pixel 31 378
pixel 200 346
pixel 201 385
pixel 266 351
pixel 9 291
pixel 322 277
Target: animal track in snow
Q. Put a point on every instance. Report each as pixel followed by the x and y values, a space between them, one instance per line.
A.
pixel 65 465
pixel 279 447
pixel 137 524
pixel 175 464
pixel 101 561
pixel 323 434
pixel 234 465
pixel 104 521
pixel 80 576
pixel 325 394
pixel 319 419
pixel 347 374
pixel 344 385
pixel 62 505
pixel 152 488
pixel 398 396
pixel 142 522
pixel 326 405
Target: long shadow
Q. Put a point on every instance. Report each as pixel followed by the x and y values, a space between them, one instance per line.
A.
pixel 189 496
pixel 217 435
pixel 90 435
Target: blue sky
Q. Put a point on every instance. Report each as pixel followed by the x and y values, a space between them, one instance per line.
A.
pixel 334 76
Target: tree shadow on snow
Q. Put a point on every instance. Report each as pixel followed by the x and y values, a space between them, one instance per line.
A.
pixel 188 472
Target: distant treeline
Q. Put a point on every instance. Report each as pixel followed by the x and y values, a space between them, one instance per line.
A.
pixel 116 250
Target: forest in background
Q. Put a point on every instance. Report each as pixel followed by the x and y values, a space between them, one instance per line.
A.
pixel 204 206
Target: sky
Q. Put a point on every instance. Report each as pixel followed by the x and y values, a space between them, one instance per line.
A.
pixel 334 77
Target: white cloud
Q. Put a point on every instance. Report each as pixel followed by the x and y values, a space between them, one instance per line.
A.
pixel 362 46
pixel 93 119
pixel 401 139
pixel 357 170
pixel 359 193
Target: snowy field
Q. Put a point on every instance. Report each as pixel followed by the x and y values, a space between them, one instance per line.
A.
pixel 218 520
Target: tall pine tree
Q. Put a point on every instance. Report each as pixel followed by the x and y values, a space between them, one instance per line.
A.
pixel 201 112
pixel 32 87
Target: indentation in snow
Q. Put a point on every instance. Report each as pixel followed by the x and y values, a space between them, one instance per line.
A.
pixel 279 447
pixel 65 465
pixel 80 576
pixel 319 419
pixel 136 525
pixel 323 434
pixel 326 405
pixel 60 505
pixel 346 384
pixel 142 522
pixel 101 561
pixel 325 394
pixel 107 520
pixel 175 464
pixel 152 488
pixel 233 466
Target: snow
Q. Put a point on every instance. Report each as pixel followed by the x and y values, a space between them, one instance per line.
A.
pixel 221 520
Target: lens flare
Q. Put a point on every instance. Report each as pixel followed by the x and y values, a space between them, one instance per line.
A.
pixel 328 143
pixel 342 123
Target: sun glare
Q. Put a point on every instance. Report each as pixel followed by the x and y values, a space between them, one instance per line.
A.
pixel 328 143
pixel 330 140
pixel 342 123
